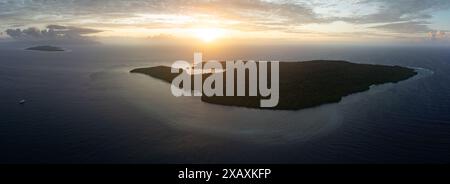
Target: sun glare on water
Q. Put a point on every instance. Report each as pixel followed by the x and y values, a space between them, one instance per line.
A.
pixel 209 34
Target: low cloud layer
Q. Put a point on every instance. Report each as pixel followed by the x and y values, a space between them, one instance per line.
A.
pixel 405 27
pixel 52 33
pixel 438 36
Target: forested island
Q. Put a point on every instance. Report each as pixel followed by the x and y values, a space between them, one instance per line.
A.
pixel 47 48
pixel 306 84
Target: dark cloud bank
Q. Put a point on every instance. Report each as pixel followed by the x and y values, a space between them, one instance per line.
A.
pixel 53 34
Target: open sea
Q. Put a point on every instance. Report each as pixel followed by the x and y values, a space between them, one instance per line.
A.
pixel 83 106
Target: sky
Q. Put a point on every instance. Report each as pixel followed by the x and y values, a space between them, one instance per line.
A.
pixel 213 20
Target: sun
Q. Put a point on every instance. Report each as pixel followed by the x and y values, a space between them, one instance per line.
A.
pixel 208 34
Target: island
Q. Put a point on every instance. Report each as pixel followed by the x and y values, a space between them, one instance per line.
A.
pixel 306 84
pixel 46 48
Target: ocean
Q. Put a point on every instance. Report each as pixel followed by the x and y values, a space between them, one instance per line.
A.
pixel 83 106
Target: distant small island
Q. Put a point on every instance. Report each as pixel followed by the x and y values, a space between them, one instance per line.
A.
pixel 46 48
pixel 307 84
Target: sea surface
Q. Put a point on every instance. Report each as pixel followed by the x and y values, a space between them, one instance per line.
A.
pixel 83 106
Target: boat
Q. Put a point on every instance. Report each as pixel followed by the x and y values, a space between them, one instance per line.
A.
pixel 22 101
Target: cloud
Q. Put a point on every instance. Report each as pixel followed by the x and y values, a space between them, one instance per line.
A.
pixel 438 35
pixel 405 27
pixel 400 16
pixel 162 36
pixel 400 10
pixel 254 13
pixel 52 33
